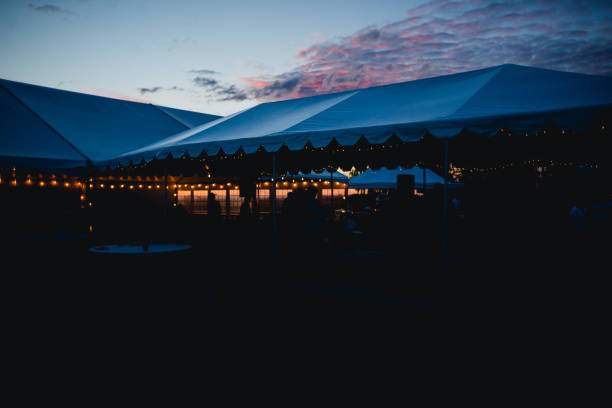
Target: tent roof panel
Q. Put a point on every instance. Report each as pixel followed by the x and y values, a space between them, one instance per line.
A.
pixel 25 136
pixel 99 127
pixel 516 89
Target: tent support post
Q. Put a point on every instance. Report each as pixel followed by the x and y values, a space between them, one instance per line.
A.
pixel 445 218
pixel 274 244
pixel 331 177
pixel 424 178
pixel 165 216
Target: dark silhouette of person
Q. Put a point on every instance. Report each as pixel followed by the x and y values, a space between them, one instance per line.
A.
pixel 213 206
pixel 245 210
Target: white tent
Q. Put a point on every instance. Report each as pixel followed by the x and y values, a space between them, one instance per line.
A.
pixel 387 178
pixel 325 176
pixel 524 99
pixel 51 128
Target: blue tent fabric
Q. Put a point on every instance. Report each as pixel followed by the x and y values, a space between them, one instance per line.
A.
pixel 58 125
pixel 188 118
pixel 524 99
pixel 26 139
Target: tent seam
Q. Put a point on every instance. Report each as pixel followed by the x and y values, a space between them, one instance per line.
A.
pixel 171 116
pixel 478 90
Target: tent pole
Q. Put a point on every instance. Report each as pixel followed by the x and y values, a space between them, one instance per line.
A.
pixel 274 248
pixel 424 187
pixel 165 216
pixel 331 176
pixel 445 217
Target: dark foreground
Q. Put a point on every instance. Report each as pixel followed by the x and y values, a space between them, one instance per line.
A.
pixel 233 274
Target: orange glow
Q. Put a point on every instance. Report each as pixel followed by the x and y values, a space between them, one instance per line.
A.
pixel 131 187
pixel 14 183
pixel 66 184
pixel 42 183
pixel 101 185
pixel 82 197
pixel 28 182
pixel 157 186
pixel 112 186
pixel 122 185
pixel 150 187
pixel 53 182
pixel 91 186
pixel 140 186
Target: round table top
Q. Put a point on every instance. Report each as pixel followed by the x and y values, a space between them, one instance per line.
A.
pixel 138 249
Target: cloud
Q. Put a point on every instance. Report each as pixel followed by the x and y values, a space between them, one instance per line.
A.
pixel 443 37
pixel 205 82
pixel 149 90
pixel 50 8
pixel 155 89
pixel 203 71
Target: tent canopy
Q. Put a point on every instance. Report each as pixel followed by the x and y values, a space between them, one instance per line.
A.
pixel 52 128
pixel 524 99
pixel 387 178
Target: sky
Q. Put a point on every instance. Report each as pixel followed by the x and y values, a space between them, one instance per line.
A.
pixel 224 56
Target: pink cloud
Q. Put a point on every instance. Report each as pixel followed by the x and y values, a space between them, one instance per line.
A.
pixel 443 37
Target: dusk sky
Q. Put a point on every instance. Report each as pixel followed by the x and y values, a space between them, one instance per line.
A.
pixel 220 57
